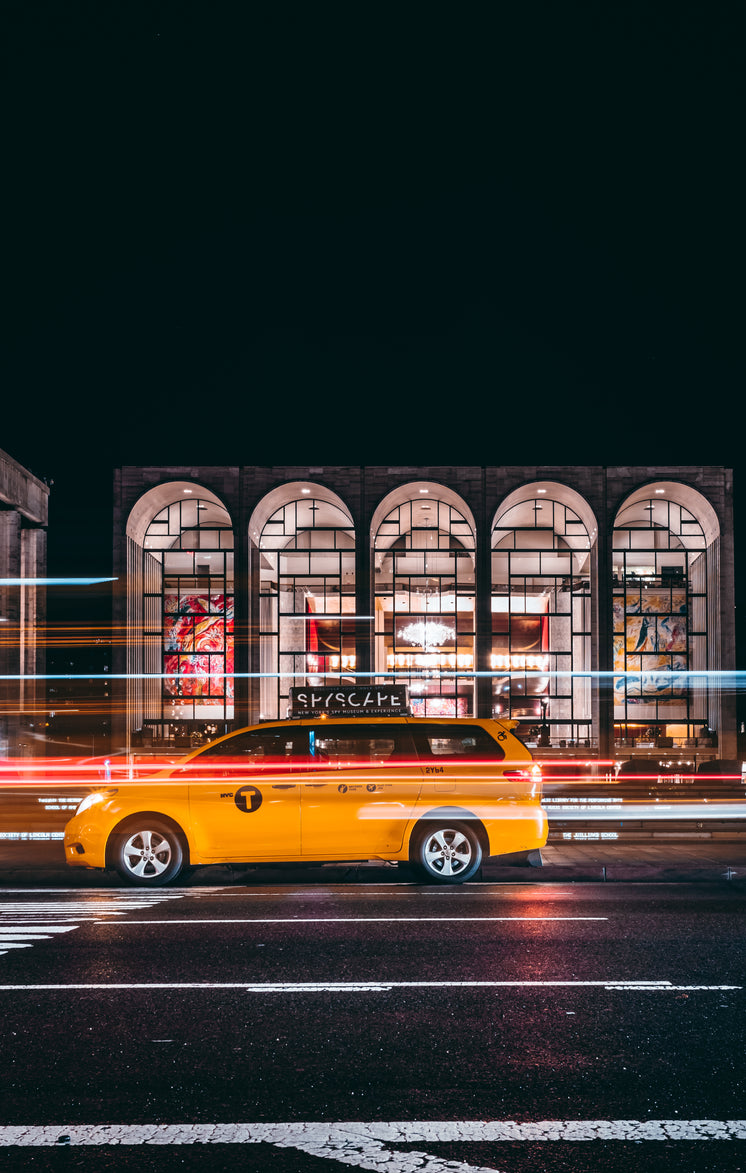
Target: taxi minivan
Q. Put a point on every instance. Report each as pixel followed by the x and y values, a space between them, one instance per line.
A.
pixel 442 794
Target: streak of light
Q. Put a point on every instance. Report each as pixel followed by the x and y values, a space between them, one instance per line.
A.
pixel 721 675
pixel 54 581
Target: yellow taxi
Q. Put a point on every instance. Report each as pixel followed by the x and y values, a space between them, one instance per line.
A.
pixel 441 794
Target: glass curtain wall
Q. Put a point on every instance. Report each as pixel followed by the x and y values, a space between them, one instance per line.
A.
pixel 307 600
pixel 424 605
pixel 188 618
pixel 541 622
pixel 660 624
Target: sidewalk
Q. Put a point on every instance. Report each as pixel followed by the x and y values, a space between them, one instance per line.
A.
pixel 41 864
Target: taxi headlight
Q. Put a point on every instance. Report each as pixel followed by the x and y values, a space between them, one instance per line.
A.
pixel 91 800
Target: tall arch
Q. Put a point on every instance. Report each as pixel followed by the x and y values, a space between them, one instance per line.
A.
pixel 180 595
pixel 666 616
pixel 423 537
pixel 543 539
pixel 303 552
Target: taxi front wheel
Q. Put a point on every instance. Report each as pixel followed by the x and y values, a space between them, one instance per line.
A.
pixel 148 852
pixel 447 852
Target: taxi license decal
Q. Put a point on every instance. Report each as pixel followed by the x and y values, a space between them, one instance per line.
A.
pixel 248 799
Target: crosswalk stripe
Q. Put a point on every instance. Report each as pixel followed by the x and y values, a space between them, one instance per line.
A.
pixel 25 922
pixel 27 936
pixel 30 927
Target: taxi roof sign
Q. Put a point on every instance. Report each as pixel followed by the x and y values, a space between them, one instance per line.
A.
pixel 376 700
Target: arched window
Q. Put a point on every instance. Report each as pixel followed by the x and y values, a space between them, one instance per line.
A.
pixel 424 602
pixel 181 569
pixel 307 626
pixel 661 616
pixel 541 614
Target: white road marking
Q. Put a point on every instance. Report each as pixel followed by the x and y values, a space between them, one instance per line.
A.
pixel 399 888
pixel 375 986
pixel 33 927
pixel 20 936
pixel 331 920
pixel 362 1146
pixel 138 893
pixel 25 921
pixel 71 909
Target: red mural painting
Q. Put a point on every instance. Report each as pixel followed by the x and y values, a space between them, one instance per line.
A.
pixel 198 645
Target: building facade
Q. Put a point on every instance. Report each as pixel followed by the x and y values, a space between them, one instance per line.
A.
pixel 595 605
pixel 23 561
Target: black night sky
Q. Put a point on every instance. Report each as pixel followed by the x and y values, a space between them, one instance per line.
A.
pixel 334 234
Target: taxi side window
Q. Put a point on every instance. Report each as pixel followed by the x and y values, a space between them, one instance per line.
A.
pixel 341 747
pixel 260 746
pixel 464 743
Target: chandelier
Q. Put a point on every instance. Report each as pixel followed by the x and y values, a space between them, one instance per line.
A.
pixel 427 635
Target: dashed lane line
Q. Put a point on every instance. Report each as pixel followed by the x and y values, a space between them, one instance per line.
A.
pixel 373 986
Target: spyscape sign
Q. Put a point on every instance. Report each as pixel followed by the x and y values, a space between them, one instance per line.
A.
pixel 378 700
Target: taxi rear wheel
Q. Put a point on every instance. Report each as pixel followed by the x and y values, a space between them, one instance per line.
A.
pixel 447 852
pixel 148 852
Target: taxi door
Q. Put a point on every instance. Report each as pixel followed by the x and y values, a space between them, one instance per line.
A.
pixel 361 788
pixel 245 797
pixel 465 766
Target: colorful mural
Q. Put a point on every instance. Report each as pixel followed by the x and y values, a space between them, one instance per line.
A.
pixel 650 645
pixel 198 645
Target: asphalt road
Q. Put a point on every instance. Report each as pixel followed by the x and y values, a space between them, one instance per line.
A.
pixel 285 1027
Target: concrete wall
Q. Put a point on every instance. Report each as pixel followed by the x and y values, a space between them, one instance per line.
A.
pixel 23 554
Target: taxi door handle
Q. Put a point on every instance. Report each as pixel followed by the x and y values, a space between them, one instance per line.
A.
pixel 283 785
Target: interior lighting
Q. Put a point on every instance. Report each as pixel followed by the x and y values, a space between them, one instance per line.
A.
pixel 427 635
pixel 333 662
pixel 506 663
pixel 462 660
pixel 188 490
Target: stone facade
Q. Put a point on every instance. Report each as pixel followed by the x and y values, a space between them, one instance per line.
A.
pixel 482 489
pixel 23 555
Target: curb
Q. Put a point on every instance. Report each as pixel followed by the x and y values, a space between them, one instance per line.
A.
pixel 615 873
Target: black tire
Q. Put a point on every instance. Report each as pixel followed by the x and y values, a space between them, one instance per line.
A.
pixel 148 852
pixel 446 851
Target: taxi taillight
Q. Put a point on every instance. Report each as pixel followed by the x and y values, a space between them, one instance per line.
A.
pixel 532 774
